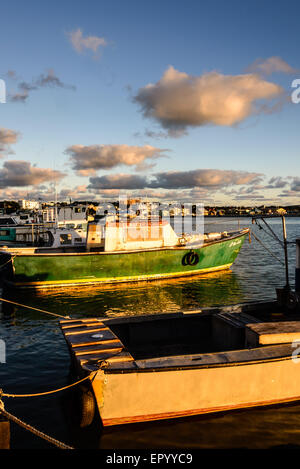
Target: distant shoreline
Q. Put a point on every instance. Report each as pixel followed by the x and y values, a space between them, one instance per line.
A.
pixel 252 216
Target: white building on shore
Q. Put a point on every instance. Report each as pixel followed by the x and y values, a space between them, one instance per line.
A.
pixel 29 204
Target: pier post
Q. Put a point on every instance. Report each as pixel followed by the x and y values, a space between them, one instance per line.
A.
pixel 4 433
pixel 287 285
pixel 297 272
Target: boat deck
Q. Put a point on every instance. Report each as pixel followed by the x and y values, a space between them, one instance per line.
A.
pixel 90 340
pixel 179 341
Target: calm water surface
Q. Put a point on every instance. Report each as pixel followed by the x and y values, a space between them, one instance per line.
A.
pixel 37 357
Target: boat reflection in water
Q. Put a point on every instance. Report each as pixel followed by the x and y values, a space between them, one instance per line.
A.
pixel 237 429
pixel 159 296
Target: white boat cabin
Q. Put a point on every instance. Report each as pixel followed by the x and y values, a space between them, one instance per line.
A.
pixel 112 235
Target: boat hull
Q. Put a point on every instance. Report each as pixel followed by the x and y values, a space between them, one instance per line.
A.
pixel 188 363
pixel 125 398
pixel 55 269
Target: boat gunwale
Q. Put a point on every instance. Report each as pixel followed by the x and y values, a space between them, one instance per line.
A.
pixel 247 307
pixel 117 368
pixel 237 234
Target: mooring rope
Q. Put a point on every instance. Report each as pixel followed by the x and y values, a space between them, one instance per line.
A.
pixel 28 427
pixel 270 252
pixel 18 421
pixel 3 394
pixel 273 233
pixel 35 309
pixel 9 260
pixel 33 430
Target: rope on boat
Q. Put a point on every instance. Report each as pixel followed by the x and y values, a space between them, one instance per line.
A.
pixel 9 260
pixel 15 419
pixel 273 233
pixel 28 427
pixel 33 430
pixel 2 394
pixel 270 252
pixel 35 309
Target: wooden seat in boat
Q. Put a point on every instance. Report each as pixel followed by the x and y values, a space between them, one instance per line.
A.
pixel 271 333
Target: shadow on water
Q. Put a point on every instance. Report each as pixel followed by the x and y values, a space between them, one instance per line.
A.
pixel 268 427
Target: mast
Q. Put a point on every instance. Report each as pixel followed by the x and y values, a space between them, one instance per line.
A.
pixel 56 216
pixel 287 286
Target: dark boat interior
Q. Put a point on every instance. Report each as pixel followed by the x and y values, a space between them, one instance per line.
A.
pixel 194 333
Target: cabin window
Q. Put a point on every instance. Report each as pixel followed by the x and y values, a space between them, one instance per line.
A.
pixel 65 239
pixel 4 233
pixel 78 240
pixel 7 221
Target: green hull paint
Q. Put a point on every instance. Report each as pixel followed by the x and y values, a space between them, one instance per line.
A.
pixel 46 270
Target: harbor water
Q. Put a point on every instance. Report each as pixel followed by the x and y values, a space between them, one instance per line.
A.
pixel 37 358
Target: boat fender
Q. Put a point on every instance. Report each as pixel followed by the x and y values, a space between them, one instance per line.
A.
pixel 292 301
pixel 87 406
pixel 190 258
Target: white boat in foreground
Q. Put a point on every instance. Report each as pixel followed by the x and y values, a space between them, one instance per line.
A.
pixel 184 364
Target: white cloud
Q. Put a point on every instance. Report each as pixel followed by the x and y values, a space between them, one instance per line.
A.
pixel 271 65
pixel 7 137
pixel 80 43
pixel 86 160
pixel 179 100
pixel 212 179
pixel 48 79
pixel 17 173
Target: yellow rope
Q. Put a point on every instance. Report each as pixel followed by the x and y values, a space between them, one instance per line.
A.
pixel 35 309
pixel 2 394
pixel 28 427
pixel 270 252
pixel 33 430
pixel 9 260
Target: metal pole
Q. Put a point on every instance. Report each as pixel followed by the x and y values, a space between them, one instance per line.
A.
pixel 287 286
pixel 297 273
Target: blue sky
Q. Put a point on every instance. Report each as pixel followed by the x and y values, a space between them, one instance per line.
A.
pixel 87 114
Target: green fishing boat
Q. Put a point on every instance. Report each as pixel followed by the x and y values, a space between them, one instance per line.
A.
pixel 122 252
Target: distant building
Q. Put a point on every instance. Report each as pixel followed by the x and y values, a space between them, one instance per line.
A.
pixel 281 211
pixel 28 204
pixel 68 213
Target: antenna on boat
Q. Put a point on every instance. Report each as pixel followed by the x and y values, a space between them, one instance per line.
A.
pixel 287 285
pixel 56 216
pixel 285 295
